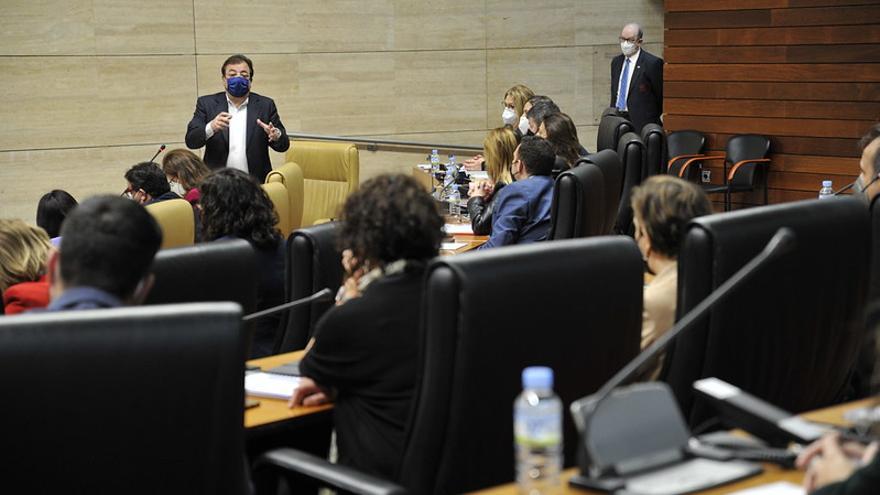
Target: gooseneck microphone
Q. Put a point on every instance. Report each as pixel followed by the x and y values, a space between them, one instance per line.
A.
pixel 322 295
pixel 161 149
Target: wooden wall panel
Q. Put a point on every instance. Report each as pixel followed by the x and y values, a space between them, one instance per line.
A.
pixel 806 73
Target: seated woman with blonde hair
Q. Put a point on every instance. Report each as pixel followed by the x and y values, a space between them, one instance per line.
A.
pixel 498 147
pixel 24 252
pixel 662 207
pixel 514 117
pixel 184 170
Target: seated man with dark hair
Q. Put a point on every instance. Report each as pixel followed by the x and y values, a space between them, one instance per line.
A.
pixel 107 248
pixel 147 184
pixel 538 111
pixel 522 209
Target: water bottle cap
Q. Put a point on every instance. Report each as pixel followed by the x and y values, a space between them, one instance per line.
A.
pixel 537 377
pixel 433 152
pixel 826 183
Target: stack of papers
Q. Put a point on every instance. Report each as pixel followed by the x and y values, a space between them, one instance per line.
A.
pixel 270 385
pixel 452 246
pixel 458 228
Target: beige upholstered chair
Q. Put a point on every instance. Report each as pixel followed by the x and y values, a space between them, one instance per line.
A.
pixel 278 193
pixel 291 175
pixel 330 171
pixel 175 218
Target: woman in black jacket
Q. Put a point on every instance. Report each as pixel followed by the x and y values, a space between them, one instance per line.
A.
pixel 498 148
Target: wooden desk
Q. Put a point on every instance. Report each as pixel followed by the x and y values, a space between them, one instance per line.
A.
pixel 772 472
pixel 273 411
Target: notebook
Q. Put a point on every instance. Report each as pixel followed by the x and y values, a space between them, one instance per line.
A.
pixel 270 385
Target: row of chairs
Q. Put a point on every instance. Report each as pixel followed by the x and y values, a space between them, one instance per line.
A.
pixel 309 188
pixel 779 338
pixel 745 161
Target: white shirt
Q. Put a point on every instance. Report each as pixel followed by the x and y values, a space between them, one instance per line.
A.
pixel 237 157
pixel 632 68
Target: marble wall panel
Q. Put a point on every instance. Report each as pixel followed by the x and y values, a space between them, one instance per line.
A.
pixel 137 27
pixel 432 25
pixel 47 27
pixel 527 23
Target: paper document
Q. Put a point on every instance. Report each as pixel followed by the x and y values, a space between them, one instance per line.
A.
pixel 452 246
pixel 270 385
pixel 458 228
pixel 778 488
pixel 478 174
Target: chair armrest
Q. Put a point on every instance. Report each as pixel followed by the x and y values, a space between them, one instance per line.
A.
pixel 680 157
pixel 698 158
pixel 738 164
pixel 333 475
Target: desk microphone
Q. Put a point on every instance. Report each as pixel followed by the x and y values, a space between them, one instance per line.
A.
pixel 322 295
pixel 602 434
pixel 161 149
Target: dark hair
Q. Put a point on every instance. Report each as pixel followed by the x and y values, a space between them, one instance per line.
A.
pixel 234 204
pixel 186 166
pixel 53 209
pixel 664 205
pixel 108 242
pixel 541 110
pixel 539 99
pixel 537 155
pixel 149 177
pixel 563 135
pixel 237 59
pixel 390 217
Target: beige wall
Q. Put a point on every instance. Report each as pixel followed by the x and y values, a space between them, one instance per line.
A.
pixel 93 86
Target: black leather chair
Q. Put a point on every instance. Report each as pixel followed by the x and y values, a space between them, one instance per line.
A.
pixel 611 128
pixel 655 150
pixel 313 263
pixel 681 147
pixel 131 400
pixel 874 292
pixel 476 341
pixel 213 271
pixel 612 172
pixel 578 198
pixel 631 151
pixel 745 161
pixel 792 333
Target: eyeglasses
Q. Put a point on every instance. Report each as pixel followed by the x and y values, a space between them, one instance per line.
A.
pixel 631 40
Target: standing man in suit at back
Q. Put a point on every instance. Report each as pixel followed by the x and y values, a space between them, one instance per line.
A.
pixel 236 126
pixel 636 80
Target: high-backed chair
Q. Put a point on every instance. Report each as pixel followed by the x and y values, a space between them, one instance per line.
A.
pixel 655 150
pixel 682 146
pixel 631 151
pixel 460 435
pixel 612 173
pixel 214 271
pixel 330 173
pixel 290 174
pixel 744 162
pixel 611 128
pixel 177 221
pixel 791 334
pixel 314 262
pixel 578 199
pixel 874 292
pixel 281 203
pixel 129 400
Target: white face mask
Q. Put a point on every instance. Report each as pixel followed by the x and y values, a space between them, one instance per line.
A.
pixel 523 125
pixel 177 188
pixel 628 48
pixel 508 116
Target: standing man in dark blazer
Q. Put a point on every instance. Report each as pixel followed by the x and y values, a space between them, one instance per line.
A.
pixel 236 126
pixel 636 80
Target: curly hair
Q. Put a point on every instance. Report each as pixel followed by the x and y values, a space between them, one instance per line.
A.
pixel 186 166
pixel 234 204
pixel 391 217
pixel 664 205
pixel 521 94
pixel 24 251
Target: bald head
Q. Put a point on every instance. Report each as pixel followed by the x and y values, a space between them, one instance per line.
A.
pixel 632 31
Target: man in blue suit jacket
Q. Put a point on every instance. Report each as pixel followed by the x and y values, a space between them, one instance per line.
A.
pixel 522 209
pixel 237 127
pixel 640 97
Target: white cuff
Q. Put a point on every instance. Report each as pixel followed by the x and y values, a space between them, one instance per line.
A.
pixel 209 131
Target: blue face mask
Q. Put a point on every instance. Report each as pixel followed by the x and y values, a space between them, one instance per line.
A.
pixel 238 86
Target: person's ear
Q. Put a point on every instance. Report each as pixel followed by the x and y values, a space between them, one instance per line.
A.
pixel 142 290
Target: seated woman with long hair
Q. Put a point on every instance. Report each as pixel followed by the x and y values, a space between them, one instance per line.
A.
pixel 365 350
pixel 514 117
pixel 24 252
pixel 498 147
pixel 233 206
pixel 53 209
pixel 559 129
pixel 184 170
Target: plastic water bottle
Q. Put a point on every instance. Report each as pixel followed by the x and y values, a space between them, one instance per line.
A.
pixel 453 197
pixel 537 420
pixel 435 162
pixel 451 164
pixel 826 191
